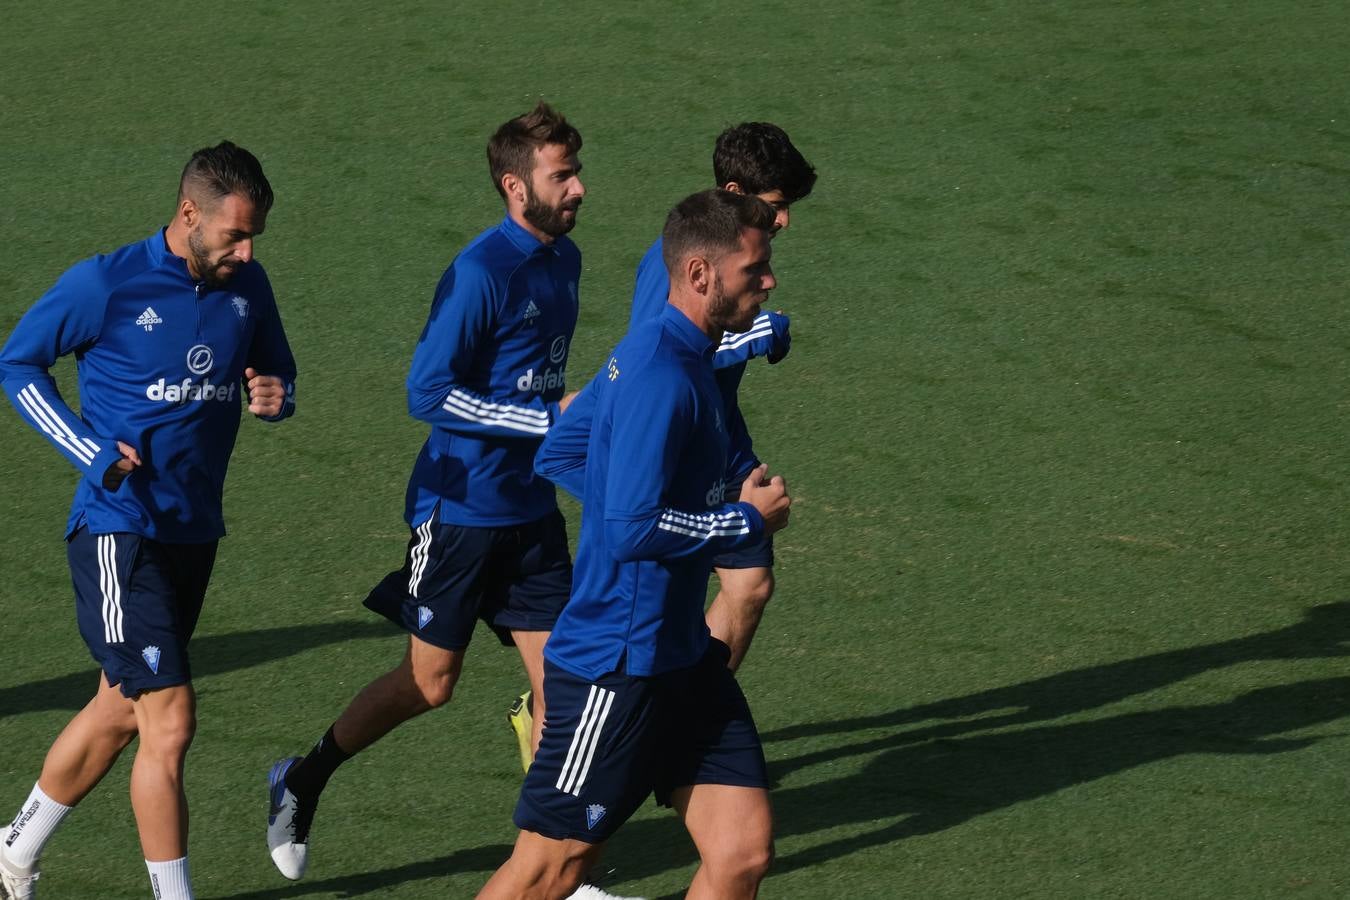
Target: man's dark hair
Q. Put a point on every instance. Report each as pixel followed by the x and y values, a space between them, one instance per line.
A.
pixel 511 149
pixel 710 222
pixel 760 158
pixel 216 172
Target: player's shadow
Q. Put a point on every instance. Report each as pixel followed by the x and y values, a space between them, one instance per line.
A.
pixel 937 765
pixel 483 859
pixel 1323 633
pixel 940 783
pixel 211 655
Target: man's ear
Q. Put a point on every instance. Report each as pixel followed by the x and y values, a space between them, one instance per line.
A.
pixel 189 212
pixel 700 273
pixel 733 187
pixel 514 186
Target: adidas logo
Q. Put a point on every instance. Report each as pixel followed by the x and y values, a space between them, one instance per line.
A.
pixel 530 311
pixel 149 319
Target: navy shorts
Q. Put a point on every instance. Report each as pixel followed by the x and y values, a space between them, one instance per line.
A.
pixel 610 743
pixel 137 601
pixel 514 578
pixel 758 555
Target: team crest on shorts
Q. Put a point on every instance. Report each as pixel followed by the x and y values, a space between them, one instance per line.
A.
pixel 151 656
pixel 424 615
pixel 594 813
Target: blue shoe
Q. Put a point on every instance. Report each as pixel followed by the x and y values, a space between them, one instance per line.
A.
pixel 288 822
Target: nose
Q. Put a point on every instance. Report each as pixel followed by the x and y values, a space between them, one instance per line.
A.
pixel 769 282
pixel 781 220
pixel 578 189
pixel 244 249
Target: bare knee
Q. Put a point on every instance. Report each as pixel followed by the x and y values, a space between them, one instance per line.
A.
pixel 169 734
pixel 747 590
pixel 742 863
pixel 756 593
pixel 116 721
pixel 434 689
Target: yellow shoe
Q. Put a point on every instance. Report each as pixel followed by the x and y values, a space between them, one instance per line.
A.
pixel 522 723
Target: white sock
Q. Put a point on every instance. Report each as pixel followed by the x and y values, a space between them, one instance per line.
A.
pixel 170 879
pixel 33 827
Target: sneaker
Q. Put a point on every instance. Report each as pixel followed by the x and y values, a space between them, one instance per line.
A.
pixel 288 822
pixel 17 882
pixel 522 723
pixel 591 892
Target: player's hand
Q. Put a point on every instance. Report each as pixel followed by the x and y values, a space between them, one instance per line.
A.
pixel 266 393
pixel 118 471
pixel 566 401
pixel 769 496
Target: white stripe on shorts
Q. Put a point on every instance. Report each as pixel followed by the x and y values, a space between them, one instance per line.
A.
pixel 421 553
pixel 584 741
pixel 110 588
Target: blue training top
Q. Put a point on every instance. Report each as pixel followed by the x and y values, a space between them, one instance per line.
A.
pixel 768 336
pixel 487 375
pixel 654 507
pixel 160 360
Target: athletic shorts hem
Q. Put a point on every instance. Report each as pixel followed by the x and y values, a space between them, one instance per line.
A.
pixel 663 795
pixel 395 617
pixel 133 686
pixel 582 836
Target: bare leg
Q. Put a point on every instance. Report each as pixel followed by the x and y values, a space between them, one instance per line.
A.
pixel 732 828
pixel 736 610
pixel 166 719
pixel 424 680
pixel 88 746
pixel 541 868
pixel 531 647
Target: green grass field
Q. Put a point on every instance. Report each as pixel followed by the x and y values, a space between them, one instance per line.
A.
pixel 1063 609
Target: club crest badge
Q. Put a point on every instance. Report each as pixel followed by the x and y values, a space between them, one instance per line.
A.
pixel 240 306
pixel 424 615
pixel 594 813
pixel 151 656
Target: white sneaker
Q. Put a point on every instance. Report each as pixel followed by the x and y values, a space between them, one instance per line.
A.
pixel 16 882
pixel 287 823
pixel 591 892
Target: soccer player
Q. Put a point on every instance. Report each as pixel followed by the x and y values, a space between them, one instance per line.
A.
pixel 487 538
pixel 639 697
pixel 751 158
pixel 170 335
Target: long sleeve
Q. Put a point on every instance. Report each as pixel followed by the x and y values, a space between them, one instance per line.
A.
pixel 651 422
pixel 768 336
pixel 270 354
pixel 562 456
pixel 67 318
pixel 462 318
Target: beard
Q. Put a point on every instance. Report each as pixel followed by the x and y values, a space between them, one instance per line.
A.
pixel 725 313
pixel 209 273
pixel 549 219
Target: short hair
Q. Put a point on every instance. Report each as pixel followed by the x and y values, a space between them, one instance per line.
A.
pixel 216 172
pixel 511 149
pixel 711 222
pixel 760 158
